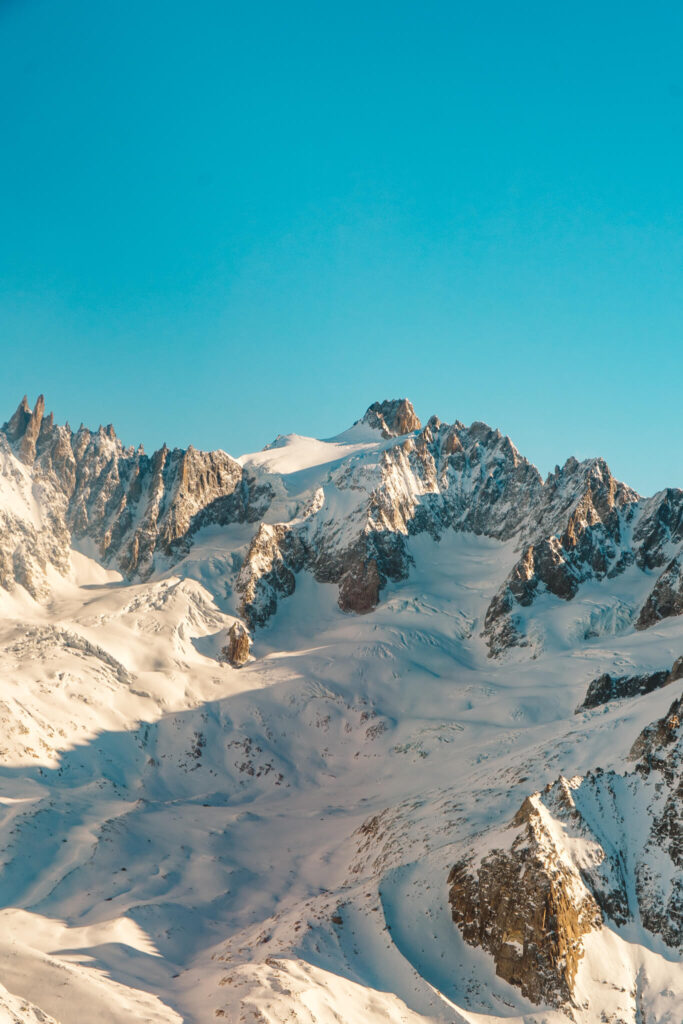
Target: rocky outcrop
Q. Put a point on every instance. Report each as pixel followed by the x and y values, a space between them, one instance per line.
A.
pixel 665 598
pixel 566 865
pixel 657 533
pixel 607 687
pixel 658 747
pixel 26 553
pixel 658 752
pixel 585 509
pixel 135 508
pixel 236 651
pixel 360 587
pixel 392 418
pixel 276 553
pixel 33 534
pixel 598 528
pixel 658 527
pixel 24 428
pixel 442 477
pixel 527 906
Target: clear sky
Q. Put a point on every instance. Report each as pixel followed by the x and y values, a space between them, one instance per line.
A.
pixel 221 221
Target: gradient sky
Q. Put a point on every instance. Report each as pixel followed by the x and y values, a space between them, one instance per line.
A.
pixel 222 221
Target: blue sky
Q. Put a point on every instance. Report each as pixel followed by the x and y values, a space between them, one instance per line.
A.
pixel 220 221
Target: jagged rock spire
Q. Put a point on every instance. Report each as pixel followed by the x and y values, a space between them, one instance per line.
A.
pixel 24 427
pixel 393 417
pixel 16 425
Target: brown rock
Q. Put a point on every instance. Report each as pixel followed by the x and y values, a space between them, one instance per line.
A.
pixel 521 906
pixel 360 587
pixel 24 427
pixel 236 651
pixel 665 598
pixel 650 748
pixel 392 417
pixel 16 425
pixel 607 688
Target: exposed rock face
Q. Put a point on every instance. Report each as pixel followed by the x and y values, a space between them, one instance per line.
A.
pixel 392 418
pixel 528 906
pixel 659 871
pixel 359 590
pixel 566 864
pixel 274 556
pixel 236 651
pixel 133 506
pixel 599 528
pixel 442 477
pixel 607 687
pixel 24 427
pixel 666 597
pixel 33 535
pixel 658 746
pixel 584 510
pixel 659 526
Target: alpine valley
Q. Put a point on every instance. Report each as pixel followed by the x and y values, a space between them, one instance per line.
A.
pixel 381 728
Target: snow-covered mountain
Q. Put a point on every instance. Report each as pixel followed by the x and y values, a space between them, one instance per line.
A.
pixel 384 727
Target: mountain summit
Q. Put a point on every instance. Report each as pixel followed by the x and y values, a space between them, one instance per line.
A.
pixel 392 418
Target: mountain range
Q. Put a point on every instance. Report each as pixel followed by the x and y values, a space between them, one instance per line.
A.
pixel 383 727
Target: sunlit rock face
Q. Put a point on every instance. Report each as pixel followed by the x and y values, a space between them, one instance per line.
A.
pixel 558 873
pixel 131 506
pixel 392 418
pixel 236 651
pixel 528 907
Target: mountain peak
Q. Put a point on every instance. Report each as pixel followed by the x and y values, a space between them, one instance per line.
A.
pixel 24 426
pixel 16 425
pixel 393 417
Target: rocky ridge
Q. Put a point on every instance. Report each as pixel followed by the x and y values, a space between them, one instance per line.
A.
pixel 352 529
pixel 527 904
pixel 133 507
pixel 608 687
